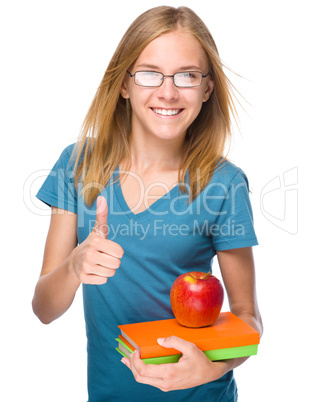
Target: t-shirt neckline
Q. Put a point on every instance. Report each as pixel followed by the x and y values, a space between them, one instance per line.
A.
pixel 148 211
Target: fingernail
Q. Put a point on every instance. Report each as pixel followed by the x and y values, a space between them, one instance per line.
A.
pixel 160 340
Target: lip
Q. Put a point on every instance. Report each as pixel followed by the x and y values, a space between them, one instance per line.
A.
pixel 173 116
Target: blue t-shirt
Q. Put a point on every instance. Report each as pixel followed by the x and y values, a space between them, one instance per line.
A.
pixel 164 241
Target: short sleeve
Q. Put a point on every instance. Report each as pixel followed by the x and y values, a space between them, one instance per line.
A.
pixel 233 226
pixel 58 189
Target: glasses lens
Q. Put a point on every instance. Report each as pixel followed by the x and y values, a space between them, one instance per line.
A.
pixel 188 79
pixel 148 78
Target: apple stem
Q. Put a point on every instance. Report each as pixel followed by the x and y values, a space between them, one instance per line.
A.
pixel 207 274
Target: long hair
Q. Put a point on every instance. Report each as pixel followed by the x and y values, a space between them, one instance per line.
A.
pixel 104 139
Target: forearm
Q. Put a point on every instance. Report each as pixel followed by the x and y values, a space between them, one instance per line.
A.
pixel 256 323
pixel 54 292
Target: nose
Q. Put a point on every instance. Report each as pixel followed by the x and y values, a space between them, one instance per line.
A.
pixel 168 90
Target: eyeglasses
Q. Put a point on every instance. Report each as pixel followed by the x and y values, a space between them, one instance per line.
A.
pixel 187 79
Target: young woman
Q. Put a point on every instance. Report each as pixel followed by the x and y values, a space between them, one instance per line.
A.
pixel 144 196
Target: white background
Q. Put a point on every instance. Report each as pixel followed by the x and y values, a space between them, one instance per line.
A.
pixel 53 57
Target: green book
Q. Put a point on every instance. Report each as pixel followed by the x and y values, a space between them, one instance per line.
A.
pixel 217 354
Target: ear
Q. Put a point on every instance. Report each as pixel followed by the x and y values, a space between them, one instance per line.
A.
pixel 209 90
pixel 124 89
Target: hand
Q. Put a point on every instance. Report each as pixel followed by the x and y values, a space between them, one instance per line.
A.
pixel 97 258
pixel 193 368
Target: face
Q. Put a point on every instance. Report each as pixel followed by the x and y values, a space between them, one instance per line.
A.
pixel 170 53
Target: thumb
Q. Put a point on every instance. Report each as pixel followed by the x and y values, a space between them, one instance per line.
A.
pixel 101 226
pixel 179 344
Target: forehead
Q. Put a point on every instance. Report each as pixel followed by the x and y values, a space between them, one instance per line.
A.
pixel 173 51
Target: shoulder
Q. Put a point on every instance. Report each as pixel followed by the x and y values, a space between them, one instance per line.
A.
pixel 78 147
pixel 227 174
pixel 64 161
pixel 70 153
pixel 67 151
pixel 226 179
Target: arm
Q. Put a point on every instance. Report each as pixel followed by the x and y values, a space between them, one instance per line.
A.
pixel 57 285
pixel 65 266
pixel 238 273
pixel 237 269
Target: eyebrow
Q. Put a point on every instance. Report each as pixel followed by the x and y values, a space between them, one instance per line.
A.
pixel 184 68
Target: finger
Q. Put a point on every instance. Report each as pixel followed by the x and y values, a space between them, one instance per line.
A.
pixel 151 371
pixel 101 225
pixel 109 247
pixel 126 361
pixel 107 261
pixel 174 342
pixel 90 279
pixel 156 375
pixel 101 271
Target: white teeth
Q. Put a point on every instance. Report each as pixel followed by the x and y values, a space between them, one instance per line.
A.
pixel 165 112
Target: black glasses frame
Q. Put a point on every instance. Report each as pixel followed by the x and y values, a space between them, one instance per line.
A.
pixel 165 76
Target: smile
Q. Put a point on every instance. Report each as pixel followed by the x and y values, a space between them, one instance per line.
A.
pixel 167 112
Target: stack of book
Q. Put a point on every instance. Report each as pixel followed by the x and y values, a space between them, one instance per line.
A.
pixel 228 338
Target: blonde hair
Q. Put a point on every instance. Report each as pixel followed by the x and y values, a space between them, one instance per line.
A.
pixel 104 139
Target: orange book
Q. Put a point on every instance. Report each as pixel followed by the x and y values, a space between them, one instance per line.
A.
pixel 127 343
pixel 229 331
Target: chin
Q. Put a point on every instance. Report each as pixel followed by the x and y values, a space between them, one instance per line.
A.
pixel 170 135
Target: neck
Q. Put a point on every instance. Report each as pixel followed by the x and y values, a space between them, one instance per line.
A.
pixel 155 154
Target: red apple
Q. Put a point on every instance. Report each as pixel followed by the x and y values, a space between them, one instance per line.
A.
pixel 196 299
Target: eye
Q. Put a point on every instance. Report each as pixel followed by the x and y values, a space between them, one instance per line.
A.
pixel 148 78
pixel 150 75
pixel 188 75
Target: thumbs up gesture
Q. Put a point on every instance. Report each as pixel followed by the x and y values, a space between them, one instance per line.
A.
pixel 97 258
pixel 101 227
